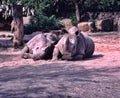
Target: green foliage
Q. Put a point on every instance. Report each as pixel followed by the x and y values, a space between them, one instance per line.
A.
pixel 73 18
pixel 46 23
pixel 105 5
pixel 28 3
pixel 109 4
pixel 46 11
pixel 45 5
pixel 42 23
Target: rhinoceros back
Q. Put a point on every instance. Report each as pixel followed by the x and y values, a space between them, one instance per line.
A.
pixel 39 39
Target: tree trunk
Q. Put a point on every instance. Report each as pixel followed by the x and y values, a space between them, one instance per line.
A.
pixel 79 7
pixel 77 11
pixel 118 25
pixel 36 7
pixel 17 26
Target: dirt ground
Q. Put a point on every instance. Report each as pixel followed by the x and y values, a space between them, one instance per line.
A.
pixel 97 77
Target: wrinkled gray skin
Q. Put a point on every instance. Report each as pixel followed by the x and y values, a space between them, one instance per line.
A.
pixel 65 48
pixel 74 46
pixel 85 47
pixel 39 47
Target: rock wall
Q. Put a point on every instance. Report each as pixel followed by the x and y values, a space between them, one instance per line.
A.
pixel 107 18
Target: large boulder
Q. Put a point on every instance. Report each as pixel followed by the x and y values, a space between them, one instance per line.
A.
pixel 104 25
pixel 85 26
pixel 67 23
pixel 26 20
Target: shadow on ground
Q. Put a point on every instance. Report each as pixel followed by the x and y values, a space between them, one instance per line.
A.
pixel 59 81
pixel 95 56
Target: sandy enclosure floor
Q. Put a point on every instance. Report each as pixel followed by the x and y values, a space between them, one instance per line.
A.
pixel 98 77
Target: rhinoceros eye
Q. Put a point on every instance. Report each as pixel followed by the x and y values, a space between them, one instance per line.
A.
pixel 37 48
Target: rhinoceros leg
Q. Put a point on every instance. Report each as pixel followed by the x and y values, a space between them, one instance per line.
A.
pixel 24 53
pixel 56 54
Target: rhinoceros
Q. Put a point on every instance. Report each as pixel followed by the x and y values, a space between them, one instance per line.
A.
pixel 39 47
pixel 85 45
pixel 65 48
pixel 74 46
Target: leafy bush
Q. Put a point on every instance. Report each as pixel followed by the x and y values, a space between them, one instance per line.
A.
pixel 47 23
pixel 42 23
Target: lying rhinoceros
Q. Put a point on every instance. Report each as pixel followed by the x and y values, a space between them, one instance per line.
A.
pixel 65 48
pixel 39 47
pixel 74 46
pixel 85 45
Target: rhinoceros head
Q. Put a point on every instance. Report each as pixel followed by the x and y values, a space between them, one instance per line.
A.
pixel 40 52
pixel 73 30
pixel 72 43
